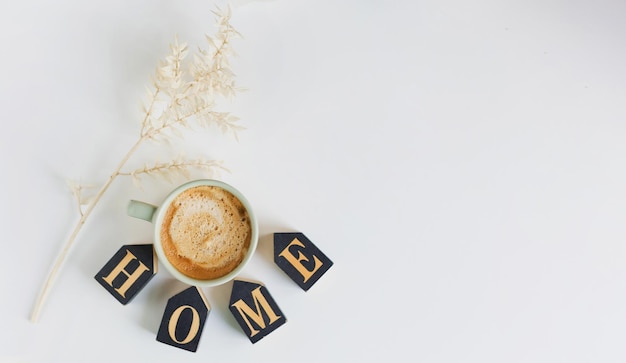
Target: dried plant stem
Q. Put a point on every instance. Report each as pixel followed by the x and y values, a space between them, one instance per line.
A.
pixel 51 279
pixel 52 276
pixel 179 96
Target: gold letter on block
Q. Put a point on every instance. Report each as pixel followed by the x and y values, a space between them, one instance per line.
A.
pixel 255 310
pixel 299 258
pixel 128 271
pixel 193 328
pixel 246 312
pixel 183 319
pixel 296 262
pixel 121 269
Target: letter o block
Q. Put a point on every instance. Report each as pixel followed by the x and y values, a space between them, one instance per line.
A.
pixel 183 319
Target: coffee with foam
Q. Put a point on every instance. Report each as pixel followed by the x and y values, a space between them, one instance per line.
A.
pixel 205 232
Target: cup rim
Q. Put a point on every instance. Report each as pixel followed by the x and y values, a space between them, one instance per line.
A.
pixel 158 217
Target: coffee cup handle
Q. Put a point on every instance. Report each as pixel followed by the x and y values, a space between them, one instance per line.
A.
pixel 141 210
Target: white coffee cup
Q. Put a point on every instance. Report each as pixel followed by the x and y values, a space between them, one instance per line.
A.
pixel 156 214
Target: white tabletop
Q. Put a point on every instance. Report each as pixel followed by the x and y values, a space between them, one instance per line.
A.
pixel 461 162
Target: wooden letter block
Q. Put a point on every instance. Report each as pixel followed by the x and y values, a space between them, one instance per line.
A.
pixel 183 319
pixel 128 271
pixel 255 310
pixel 300 259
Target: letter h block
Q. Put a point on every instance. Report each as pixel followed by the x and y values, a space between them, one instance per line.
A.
pixel 255 310
pixel 128 271
pixel 300 259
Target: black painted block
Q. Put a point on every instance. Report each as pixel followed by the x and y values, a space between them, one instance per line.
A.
pixel 300 259
pixel 255 310
pixel 183 319
pixel 128 271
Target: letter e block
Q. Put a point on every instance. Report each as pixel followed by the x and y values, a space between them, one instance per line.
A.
pixel 255 310
pixel 183 319
pixel 128 271
pixel 300 259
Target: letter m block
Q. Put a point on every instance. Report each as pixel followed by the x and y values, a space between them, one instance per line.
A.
pixel 255 310
pixel 128 271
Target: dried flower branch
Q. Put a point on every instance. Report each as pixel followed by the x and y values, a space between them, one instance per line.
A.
pixel 177 99
pixel 169 170
pixel 77 190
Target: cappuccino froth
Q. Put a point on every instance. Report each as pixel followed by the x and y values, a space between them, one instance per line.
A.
pixel 205 232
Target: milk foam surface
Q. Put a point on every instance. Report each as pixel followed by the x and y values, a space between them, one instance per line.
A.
pixel 205 232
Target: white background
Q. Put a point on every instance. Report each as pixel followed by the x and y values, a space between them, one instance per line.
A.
pixel 461 162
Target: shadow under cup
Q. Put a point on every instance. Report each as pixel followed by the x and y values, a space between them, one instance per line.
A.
pixel 156 215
